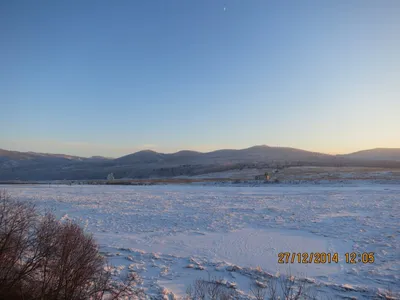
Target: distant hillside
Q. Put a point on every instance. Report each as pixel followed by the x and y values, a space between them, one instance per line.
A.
pixel 35 156
pixel 15 159
pixel 252 154
pixel 388 154
pixel 5 154
pixel 32 165
pixel 262 154
pixel 144 156
pixel 16 165
pixel 16 155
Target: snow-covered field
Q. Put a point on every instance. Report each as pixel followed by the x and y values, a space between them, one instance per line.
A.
pixel 174 234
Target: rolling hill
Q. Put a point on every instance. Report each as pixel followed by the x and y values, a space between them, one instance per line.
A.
pixel 16 165
pixel 376 154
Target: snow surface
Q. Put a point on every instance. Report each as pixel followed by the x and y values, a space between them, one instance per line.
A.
pixel 174 234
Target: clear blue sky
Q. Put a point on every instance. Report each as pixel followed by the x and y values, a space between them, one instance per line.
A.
pixel 113 77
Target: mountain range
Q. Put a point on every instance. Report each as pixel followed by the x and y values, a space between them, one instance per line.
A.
pixel 16 165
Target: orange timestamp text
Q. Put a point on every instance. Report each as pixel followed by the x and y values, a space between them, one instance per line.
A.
pixel 307 258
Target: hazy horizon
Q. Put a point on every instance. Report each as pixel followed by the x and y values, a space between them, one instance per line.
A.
pixel 100 78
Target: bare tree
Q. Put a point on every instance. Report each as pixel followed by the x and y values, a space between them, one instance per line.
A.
pixel 16 222
pixel 211 289
pixel 273 289
pixel 44 258
pixel 258 290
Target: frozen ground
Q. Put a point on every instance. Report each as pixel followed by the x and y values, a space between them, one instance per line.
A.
pixel 314 174
pixel 174 234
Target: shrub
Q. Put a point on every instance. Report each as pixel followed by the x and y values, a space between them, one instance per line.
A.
pixel 212 289
pixel 279 288
pixel 44 258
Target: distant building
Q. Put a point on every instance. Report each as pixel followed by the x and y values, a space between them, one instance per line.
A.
pixel 110 176
pixel 262 177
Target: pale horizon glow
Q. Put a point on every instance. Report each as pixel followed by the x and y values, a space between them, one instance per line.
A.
pixel 102 78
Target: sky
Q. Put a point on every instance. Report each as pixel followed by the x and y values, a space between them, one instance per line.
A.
pixel 114 77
